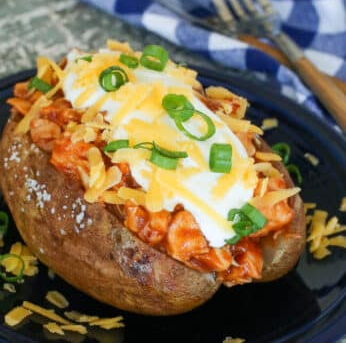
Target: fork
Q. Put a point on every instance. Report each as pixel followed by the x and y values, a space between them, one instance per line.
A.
pixel 258 18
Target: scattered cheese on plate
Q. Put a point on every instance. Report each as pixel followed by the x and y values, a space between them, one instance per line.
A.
pixel 9 287
pixel 321 232
pixel 343 204
pixel 269 123
pixel 16 316
pixel 75 328
pixel 53 327
pixel 311 158
pixel 78 317
pixel 108 323
pixel 57 299
pixel 233 340
pixel 49 314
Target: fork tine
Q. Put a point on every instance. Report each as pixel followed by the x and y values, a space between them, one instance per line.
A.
pixel 266 6
pixel 249 6
pixel 237 8
pixel 223 11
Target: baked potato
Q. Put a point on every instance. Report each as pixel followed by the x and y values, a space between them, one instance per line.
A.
pixel 91 241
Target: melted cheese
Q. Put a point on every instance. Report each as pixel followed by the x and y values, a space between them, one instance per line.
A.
pixel 134 112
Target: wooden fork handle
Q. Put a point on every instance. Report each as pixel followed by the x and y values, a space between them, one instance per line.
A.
pixel 279 56
pixel 327 92
pixel 321 85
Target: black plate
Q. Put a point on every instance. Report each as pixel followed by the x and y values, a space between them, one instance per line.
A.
pixel 308 304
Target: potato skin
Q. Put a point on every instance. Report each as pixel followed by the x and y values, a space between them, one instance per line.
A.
pixel 88 247
pixel 102 258
pixel 281 255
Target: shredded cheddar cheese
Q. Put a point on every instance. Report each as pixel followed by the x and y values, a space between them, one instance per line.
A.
pixel 154 196
pixel 24 125
pixel 113 177
pixel 233 340
pixel 78 317
pixel 75 328
pixel 9 287
pixel 53 327
pixel 238 125
pixel 13 265
pixel 269 123
pixel 267 156
pixel 123 47
pixel 311 158
pixel 16 316
pixel 57 299
pixel 218 92
pixel 272 198
pixel 321 234
pixel 342 207
pixel 135 195
pixel 108 323
pixel 49 314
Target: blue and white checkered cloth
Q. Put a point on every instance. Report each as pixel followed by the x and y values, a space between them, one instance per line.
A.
pixel 318 26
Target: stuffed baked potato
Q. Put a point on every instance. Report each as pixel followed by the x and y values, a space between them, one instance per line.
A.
pixel 98 194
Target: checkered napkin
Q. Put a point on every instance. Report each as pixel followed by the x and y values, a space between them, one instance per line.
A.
pixel 318 26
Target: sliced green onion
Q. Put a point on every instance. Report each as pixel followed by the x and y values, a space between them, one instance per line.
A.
pixel 116 145
pixel 168 153
pixel 206 118
pixel 235 214
pixel 148 145
pixel 233 240
pixel 254 215
pixel 245 221
pixel 283 150
pixel 129 61
pixel 21 271
pixel 178 105
pixel 220 158
pixel 3 223
pixel 154 57
pixel 112 78
pixel 294 171
pixel 40 85
pixel 164 162
pixel 87 58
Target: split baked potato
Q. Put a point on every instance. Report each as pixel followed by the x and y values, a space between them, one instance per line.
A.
pixel 92 245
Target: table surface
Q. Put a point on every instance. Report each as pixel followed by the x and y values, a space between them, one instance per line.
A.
pixel 52 27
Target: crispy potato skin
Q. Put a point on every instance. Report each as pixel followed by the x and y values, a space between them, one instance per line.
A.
pixel 102 259
pixel 281 255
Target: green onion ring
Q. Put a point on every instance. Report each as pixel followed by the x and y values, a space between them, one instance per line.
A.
pixel 220 158
pixel 283 150
pixel 40 85
pixel 254 215
pixel 148 145
pixel 206 118
pixel 87 58
pixel 245 221
pixel 116 145
pixel 168 153
pixel 164 162
pixel 178 105
pixel 154 57
pixel 112 78
pixel 129 61
pixel 294 171
pixel 21 271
